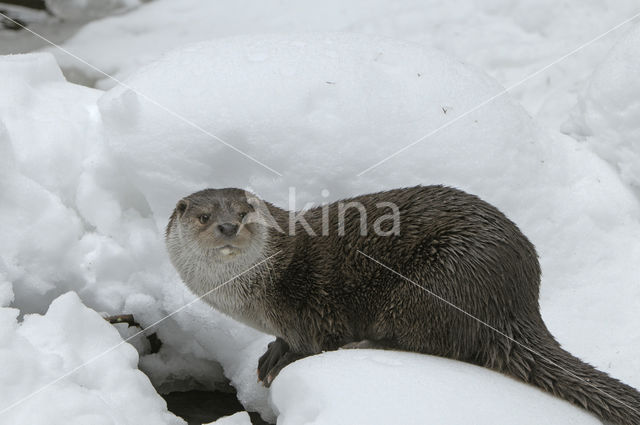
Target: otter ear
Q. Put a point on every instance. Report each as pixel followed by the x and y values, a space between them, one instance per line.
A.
pixel 182 207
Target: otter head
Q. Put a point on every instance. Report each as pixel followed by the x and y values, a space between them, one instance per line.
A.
pixel 216 226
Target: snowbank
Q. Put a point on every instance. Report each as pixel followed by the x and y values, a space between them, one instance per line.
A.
pixel 52 216
pixel 44 124
pixel 103 386
pixel 384 387
pixel 88 9
pixel 509 40
pixel 317 110
pixel 608 112
pixel 89 180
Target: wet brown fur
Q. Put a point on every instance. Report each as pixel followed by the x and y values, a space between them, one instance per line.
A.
pixel 320 293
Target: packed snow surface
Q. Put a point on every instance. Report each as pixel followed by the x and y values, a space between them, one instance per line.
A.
pixel 407 388
pixel 88 179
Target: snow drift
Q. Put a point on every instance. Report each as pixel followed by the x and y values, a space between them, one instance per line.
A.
pixel 608 112
pixel 408 389
pixel 509 40
pixel 100 384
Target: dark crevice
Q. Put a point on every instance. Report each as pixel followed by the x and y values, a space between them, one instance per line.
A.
pixel 202 407
pixel 197 407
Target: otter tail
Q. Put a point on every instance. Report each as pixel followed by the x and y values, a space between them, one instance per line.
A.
pixel 546 365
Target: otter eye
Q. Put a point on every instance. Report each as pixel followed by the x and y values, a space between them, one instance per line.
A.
pixel 204 218
pixel 242 215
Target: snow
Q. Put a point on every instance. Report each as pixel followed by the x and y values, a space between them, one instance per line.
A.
pixel 88 179
pixel 509 40
pixel 88 9
pixel 498 153
pixel 240 418
pixel 56 239
pixel 304 137
pixel 39 21
pixel 73 341
pixel 608 110
pixel 409 388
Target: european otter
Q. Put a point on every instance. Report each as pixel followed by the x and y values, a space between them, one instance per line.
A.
pixel 346 275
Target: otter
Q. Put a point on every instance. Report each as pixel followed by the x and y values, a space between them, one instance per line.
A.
pixel 453 277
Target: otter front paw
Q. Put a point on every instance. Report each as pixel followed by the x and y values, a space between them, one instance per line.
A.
pixel 287 358
pixel 274 360
pixel 275 351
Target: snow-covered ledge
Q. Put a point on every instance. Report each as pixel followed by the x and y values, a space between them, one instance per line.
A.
pixel 387 387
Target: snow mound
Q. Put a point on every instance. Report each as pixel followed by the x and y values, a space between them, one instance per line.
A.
pixel 608 112
pixel 43 124
pixel 69 224
pixel 29 69
pixel 509 40
pixel 88 9
pixel 386 387
pixel 103 386
pixel 314 111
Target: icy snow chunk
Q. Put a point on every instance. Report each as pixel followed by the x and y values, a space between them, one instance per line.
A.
pixel 389 387
pixel 30 69
pixel 50 122
pixel 240 418
pixel 71 364
pixel 608 112
pixel 37 231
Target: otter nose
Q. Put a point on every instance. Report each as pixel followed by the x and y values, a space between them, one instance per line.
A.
pixel 228 229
